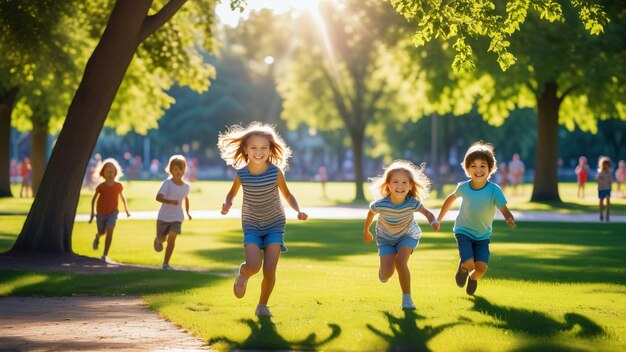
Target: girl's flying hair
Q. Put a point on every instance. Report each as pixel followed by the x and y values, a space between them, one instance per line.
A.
pixel 603 159
pixel 232 145
pixel 420 184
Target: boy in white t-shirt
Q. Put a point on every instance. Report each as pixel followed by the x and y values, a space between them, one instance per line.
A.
pixel 171 195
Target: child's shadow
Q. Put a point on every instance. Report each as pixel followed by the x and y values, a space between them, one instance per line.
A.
pixel 534 322
pixel 406 335
pixel 263 335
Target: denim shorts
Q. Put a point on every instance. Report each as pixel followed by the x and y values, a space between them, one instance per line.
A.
pixel 386 247
pixel 470 248
pixel 104 221
pixel 604 193
pixel 263 241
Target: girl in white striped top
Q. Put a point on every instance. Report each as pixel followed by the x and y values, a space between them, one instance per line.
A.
pixel 260 155
pixel 399 193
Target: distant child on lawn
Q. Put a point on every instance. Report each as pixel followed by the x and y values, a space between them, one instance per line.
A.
pixel 260 155
pixel 399 193
pixel 604 179
pixel 620 176
pixel 473 226
pixel 582 172
pixel 107 194
pixel 171 195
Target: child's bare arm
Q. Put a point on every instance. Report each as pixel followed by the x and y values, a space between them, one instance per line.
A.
pixel 432 220
pixel 231 195
pixel 508 217
pixel 125 203
pixel 187 207
pixel 367 234
pixel 161 199
pixel 291 199
pixel 93 203
pixel 446 206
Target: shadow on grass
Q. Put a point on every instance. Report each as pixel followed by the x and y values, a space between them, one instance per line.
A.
pixel 264 336
pixel 317 240
pixel 26 283
pixel 563 252
pixel 405 334
pixel 536 323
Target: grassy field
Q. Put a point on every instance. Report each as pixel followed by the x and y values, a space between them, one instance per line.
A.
pixel 207 195
pixel 550 287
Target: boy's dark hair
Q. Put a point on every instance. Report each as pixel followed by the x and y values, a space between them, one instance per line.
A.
pixel 483 151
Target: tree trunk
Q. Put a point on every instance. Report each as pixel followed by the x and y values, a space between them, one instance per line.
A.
pixel 48 227
pixel 546 186
pixel 38 152
pixel 357 152
pixel 7 98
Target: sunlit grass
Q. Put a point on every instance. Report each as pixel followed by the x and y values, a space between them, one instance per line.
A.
pixel 549 287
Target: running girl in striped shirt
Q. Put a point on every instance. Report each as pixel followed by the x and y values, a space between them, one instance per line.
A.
pixel 260 155
pixel 399 193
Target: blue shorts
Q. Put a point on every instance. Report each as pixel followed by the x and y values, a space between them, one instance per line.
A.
pixel 604 193
pixel 104 221
pixel 470 248
pixel 386 247
pixel 263 241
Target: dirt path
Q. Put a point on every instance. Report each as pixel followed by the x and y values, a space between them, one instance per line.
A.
pixel 88 324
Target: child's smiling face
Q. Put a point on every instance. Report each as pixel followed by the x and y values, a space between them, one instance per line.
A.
pixel 399 185
pixel 258 150
pixel 109 172
pixel 479 170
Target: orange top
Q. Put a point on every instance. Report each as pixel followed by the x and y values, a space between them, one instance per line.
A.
pixel 109 196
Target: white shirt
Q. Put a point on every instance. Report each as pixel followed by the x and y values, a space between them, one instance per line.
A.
pixel 171 191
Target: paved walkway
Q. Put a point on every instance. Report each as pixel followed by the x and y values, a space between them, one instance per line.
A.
pixel 359 213
pixel 88 324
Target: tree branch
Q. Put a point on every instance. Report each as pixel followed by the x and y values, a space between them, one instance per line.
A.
pixel 532 89
pixel 341 106
pixel 154 22
pixel 567 91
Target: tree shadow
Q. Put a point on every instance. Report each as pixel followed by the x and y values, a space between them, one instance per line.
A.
pixel 264 336
pixel 406 334
pixel 534 322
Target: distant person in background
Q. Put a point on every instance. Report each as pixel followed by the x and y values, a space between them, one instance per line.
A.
pixel 604 179
pixel 503 175
pixel 92 179
pixel 192 173
pixel 135 165
pixel 516 172
pixel 582 173
pixel 620 176
pixel 322 175
pixel 14 172
pixel 107 195
pixel 27 180
pixel 154 168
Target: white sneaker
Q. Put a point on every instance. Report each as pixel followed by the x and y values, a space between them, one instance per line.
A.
pixel 262 310
pixel 168 267
pixel 239 286
pixel 407 302
pixel 104 258
pixel 381 277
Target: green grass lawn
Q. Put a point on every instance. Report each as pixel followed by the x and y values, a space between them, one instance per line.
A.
pixel 207 195
pixel 550 287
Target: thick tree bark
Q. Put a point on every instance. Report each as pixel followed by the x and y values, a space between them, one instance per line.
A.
pixel 48 227
pixel 38 152
pixel 7 98
pixel 546 186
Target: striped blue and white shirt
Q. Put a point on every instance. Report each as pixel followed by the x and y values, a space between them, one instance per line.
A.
pixel 396 220
pixel 262 212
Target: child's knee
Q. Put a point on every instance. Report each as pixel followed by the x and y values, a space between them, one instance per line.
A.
pixel 253 266
pixel 468 265
pixel 481 267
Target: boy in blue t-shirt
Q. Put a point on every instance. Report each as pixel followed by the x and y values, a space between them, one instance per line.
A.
pixel 472 227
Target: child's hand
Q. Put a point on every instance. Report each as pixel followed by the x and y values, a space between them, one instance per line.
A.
pixel 511 223
pixel 173 202
pixel 436 225
pixel 302 216
pixel 189 215
pixel 367 236
pixel 127 214
pixel 226 208
pixel 91 217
